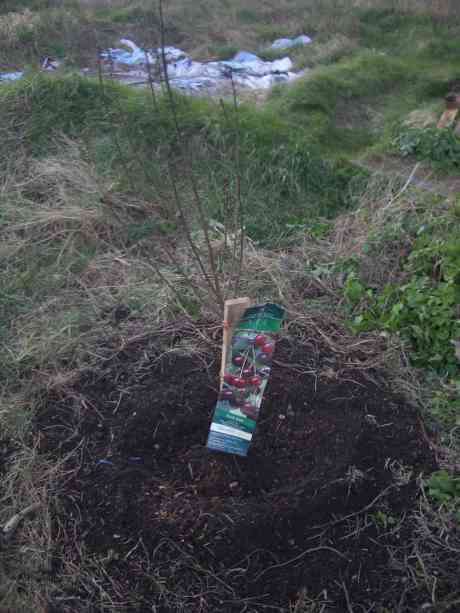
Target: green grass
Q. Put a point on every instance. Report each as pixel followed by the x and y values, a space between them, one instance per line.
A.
pixel 280 165
pixel 368 74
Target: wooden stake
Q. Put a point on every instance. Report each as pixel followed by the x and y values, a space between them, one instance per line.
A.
pixel 452 108
pixel 233 311
pixel 448 118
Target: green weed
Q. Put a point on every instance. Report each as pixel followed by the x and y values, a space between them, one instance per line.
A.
pixel 423 308
pixel 440 147
pixel 444 489
pixel 445 406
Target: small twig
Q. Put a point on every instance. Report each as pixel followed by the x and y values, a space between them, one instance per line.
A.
pixel 299 557
pixel 363 510
pixel 151 85
pixel 403 189
pixel 12 524
pixel 106 106
pixel 164 63
pixel 188 234
pixel 239 214
pixel 205 227
pixel 347 598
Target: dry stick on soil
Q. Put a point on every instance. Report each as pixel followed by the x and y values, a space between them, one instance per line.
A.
pixel 195 250
pixel 115 136
pixel 205 226
pixel 347 597
pixel 178 203
pixel 403 189
pixel 334 522
pixel 193 286
pixel 151 85
pixel 12 524
pixel 165 67
pixel 299 557
pixel 177 200
pixel 239 213
pixel 238 217
pixel 168 284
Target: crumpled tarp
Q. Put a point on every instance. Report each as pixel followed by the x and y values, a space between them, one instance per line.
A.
pixel 136 55
pixel 288 43
pixel 10 76
pixel 246 69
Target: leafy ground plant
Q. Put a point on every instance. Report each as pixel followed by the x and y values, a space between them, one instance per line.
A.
pixel 444 488
pixel 439 146
pixel 422 306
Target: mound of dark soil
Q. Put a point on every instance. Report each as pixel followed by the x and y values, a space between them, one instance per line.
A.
pixel 335 453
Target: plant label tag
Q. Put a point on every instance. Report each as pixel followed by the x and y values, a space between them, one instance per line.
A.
pixel 245 376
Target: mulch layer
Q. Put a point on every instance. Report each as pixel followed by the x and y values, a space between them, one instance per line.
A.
pixel 311 510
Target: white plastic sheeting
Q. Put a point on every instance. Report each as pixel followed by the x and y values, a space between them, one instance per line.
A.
pixel 129 63
pixel 246 69
pixel 10 76
pixel 136 55
pixel 288 43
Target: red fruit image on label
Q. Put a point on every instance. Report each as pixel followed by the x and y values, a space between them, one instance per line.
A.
pixel 238 360
pixel 256 381
pixel 226 395
pixel 250 410
pixel 239 382
pixel 260 340
pixel 230 379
